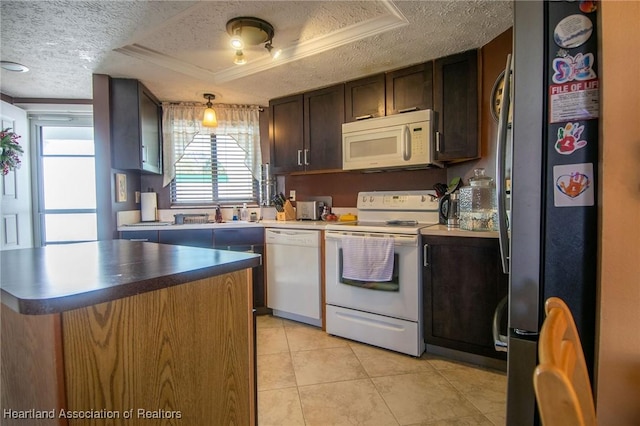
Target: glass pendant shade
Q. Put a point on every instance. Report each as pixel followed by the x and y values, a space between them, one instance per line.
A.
pixel 210 119
pixel 239 58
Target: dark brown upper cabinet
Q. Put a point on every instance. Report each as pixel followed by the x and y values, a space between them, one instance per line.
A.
pixel 365 98
pixel 455 96
pixel 136 127
pixel 410 89
pixel 286 134
pixel 306 131
pixel 323 118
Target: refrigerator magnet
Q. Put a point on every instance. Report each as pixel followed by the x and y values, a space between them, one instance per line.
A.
pixel 588 6
pixel 568 138
pixel 573 31
pixel 573 185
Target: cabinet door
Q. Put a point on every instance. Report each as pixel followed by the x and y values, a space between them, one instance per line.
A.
pixel 188 237
pixel 410 89
pixel 150 131
pixel 365 98
pixel 456 105
pixel 323 118
pixel 125 127
pixel 135 127
pixel 285 134
pixel 248 240
pixel 463 285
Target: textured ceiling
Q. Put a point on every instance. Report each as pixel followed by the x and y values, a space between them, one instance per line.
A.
pixel 180 50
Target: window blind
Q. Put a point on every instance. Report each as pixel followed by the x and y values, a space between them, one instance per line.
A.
pixel 213 171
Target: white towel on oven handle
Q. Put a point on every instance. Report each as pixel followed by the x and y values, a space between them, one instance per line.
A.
pixel 367 258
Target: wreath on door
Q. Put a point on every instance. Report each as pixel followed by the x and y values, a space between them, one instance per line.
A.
pixel 10 151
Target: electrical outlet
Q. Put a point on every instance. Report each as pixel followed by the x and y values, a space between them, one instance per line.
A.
pixel 138 197
pixel 292 195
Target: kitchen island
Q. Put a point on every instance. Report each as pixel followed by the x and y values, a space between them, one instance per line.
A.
pixel 125 332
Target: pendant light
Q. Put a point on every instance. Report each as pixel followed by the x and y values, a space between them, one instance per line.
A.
pixel 209 119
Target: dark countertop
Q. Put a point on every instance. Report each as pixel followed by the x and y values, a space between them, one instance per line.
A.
pixel 59 278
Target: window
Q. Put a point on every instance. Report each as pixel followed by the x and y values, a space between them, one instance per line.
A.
pixel 66 183
pixel 213 170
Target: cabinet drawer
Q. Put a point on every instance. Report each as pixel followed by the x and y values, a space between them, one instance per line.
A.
pixel 188 237
pixel 239 236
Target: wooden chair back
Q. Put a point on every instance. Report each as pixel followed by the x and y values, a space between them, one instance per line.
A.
pixel 561 379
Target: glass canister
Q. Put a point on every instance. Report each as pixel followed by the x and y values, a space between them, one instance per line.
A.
pixel 478 204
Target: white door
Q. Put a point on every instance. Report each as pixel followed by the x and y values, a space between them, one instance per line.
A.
pixel 16 227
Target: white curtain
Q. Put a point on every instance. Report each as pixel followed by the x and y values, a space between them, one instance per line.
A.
pixel 182 122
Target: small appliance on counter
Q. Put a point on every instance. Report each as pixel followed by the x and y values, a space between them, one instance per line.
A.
pixel 453 211
pixel 311 208
pixel 448 203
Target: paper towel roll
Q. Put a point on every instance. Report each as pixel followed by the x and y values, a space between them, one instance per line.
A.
pixel 148 206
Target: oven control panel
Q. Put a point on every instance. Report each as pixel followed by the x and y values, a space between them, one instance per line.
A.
pixel 398 200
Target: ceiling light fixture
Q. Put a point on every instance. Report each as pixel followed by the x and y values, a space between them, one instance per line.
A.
pixel 275 53
pixel 13 66
pixel 209 119
pixel 248 31
pixel 236 42
pixel 239 58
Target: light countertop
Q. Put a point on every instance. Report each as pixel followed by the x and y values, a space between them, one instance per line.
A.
pixel 164 226
pixel 443 231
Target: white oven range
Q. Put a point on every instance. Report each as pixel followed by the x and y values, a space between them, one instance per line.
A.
pixel 385 313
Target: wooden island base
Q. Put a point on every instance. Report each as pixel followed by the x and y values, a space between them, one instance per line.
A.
pixel 182 355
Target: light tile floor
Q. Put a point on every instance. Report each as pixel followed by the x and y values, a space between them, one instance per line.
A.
pixel 306 377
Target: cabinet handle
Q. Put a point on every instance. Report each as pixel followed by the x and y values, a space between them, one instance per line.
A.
pixel 364 117
pixel 437 141
pixel 299 157
pixel 144 154
pixel 425 256
pixel 408 110
pixel 406 143
pixel 306 157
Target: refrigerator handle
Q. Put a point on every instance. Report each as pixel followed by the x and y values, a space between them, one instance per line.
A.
pixel 499 340
pixel 501 148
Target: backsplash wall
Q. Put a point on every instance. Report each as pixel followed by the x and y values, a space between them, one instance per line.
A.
pixel 344 186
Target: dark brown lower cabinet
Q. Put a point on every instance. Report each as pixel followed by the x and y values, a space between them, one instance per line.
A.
pixel 463 284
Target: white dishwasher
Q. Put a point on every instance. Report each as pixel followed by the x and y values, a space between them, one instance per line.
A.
pixel 293 274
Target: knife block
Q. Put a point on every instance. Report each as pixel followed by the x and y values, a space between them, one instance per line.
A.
pixel 288 213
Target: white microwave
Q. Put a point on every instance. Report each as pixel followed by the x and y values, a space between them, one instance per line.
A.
pixel 395 141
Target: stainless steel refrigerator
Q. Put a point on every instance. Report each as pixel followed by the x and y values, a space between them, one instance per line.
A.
pixel 550 243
